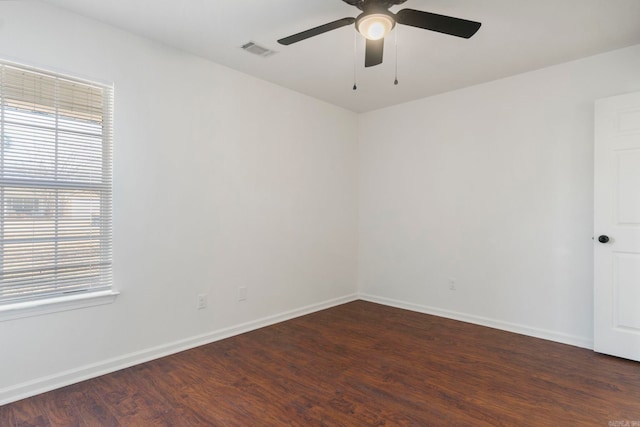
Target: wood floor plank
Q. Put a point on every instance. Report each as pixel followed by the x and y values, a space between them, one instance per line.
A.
pixel 134 403
pixel 30 413
pixel 7 418
pixel 153 376
pixel 91 409
pixel 60 409
pixel 355 364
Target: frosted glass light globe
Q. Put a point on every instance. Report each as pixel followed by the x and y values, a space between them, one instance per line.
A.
pixel 375 26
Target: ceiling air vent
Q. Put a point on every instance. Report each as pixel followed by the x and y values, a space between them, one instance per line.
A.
pixel 258 50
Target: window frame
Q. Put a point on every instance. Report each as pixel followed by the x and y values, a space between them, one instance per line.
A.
pixel 64 300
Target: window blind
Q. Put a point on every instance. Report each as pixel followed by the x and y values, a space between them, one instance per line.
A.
pixel 55 185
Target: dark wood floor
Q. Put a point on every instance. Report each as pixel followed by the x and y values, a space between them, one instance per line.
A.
pixel 359 364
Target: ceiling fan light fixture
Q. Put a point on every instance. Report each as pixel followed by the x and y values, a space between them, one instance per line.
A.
pixel 376 22
pixel 375 26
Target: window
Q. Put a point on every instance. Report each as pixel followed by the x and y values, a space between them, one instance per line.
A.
pixel 55 186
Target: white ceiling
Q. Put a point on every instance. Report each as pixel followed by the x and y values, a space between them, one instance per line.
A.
pixel 516 36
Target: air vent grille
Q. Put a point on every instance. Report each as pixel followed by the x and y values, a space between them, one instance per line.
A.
pixel 256 49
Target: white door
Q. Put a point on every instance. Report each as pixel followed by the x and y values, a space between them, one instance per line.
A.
pixel 617 227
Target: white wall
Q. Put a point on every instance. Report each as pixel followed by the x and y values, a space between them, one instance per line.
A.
pixel 220 180
pixel 491 185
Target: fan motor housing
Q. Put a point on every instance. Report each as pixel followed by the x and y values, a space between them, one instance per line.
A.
pixel 364 5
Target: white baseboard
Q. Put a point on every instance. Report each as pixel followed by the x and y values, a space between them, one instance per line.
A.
pixel 573 340
pixel 48 383
pixel 52 382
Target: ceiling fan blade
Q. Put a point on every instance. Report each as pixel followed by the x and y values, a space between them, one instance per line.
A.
pixel 316 31
pixel 439 23
pixel 373 53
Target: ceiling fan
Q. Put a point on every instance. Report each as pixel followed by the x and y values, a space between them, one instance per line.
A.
pixel 376 21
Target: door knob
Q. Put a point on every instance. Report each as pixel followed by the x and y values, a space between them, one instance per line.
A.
pixel 603 239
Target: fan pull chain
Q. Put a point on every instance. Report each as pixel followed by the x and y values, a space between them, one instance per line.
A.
pixel 395 82
pixel 355 51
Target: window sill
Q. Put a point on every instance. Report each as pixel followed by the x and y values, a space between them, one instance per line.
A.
pixel 54 305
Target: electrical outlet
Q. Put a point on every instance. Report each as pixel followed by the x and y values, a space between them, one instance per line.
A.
pixel 202 302
pixel 242 293
pixel 452 283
